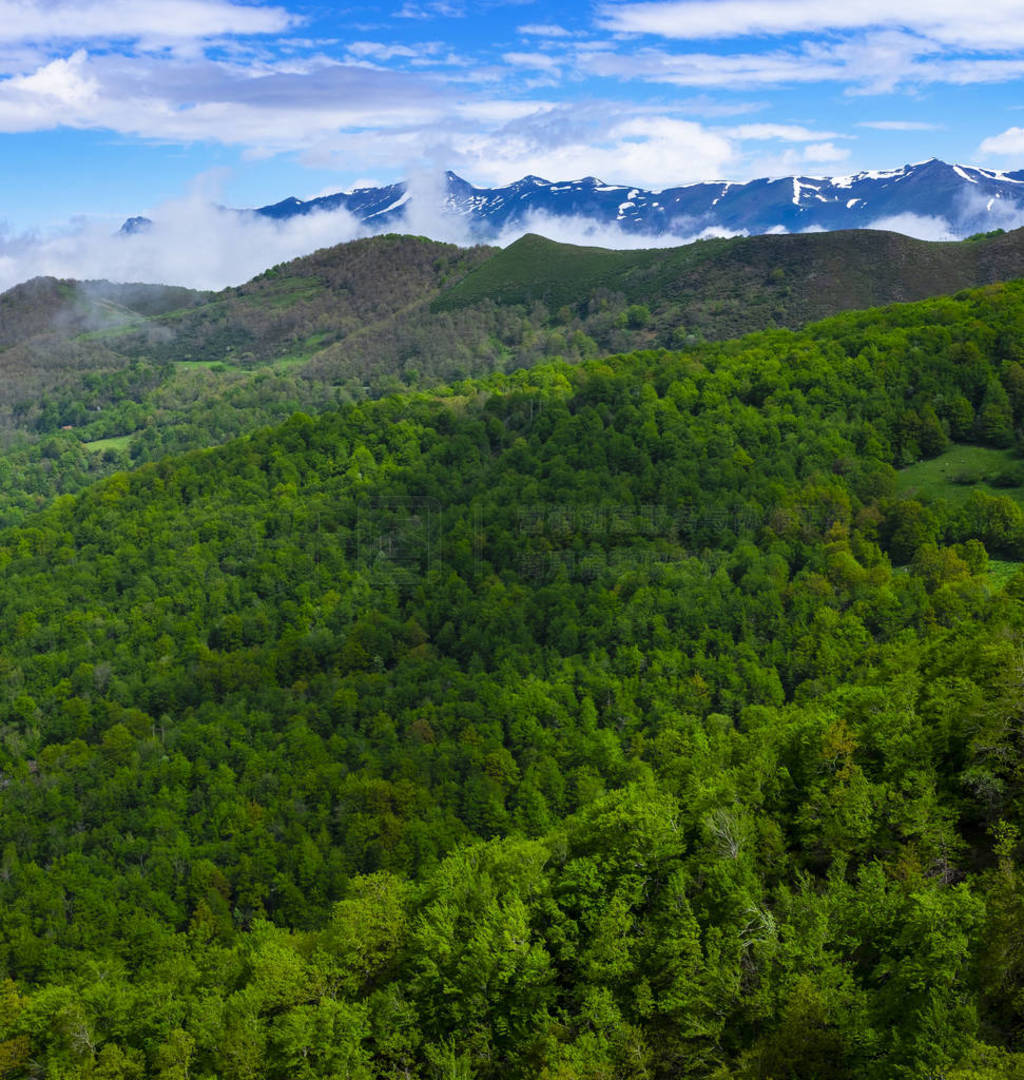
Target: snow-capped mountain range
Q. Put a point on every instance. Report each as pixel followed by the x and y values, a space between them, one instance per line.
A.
pixel 960 199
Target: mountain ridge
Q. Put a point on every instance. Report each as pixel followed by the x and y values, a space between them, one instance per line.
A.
pixel 953 199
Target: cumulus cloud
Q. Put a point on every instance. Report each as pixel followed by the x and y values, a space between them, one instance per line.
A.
pixel 379 50
pixel 187 100
pixel 638 148
pixel 1009 142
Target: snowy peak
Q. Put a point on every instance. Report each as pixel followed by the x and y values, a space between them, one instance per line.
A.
pixel 954 200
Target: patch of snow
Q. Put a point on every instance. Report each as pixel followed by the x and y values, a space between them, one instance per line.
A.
pixel 851 203
pixel 963 175
pixel 400 201
pixel 995 174
pixel 888 174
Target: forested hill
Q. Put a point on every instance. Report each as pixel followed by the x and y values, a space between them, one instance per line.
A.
pixel 107 377
pixel 605 721
pixel 722 288
pixel 395 307
pixel 51 329
pixel 67 308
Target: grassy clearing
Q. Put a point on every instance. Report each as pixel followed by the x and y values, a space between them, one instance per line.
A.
pixel 1000 571
pixel 303 354
pixel 286 363
pixel 109 333
pixel 956 473
pixel 207 365
pixel 115 442
pixel 285 291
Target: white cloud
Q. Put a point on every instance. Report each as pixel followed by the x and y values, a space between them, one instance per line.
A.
pixel 378 50
pixel 587 231
pixel 118 20
pixel 785 132
pixel 976 213
pixel 825 153
pixel 995 25
pixel 544 30
pixel 735 71
pixel 617 145
pixel 487 110
pixel 191 242
pixel 917 225
pixel 201 100
pixel 966 72
pixel 1008 142
pixel 64 82
pixel 433 9
pixel 876 62
pixel 900 125
pixel 534 61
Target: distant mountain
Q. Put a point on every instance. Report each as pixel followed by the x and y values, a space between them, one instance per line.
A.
pixel 965 199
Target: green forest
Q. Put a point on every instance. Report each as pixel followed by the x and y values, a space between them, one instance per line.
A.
pixel 99 377
pixel 656 715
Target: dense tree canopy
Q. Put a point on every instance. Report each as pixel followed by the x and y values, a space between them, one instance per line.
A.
pixel 618 719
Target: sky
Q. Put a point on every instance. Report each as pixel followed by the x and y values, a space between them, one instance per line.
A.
pixel 121 107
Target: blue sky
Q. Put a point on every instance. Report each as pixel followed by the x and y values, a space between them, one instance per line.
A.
pixel 109 108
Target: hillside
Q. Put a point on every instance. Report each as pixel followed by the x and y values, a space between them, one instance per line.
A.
pixel 50 329
pixel 55 332
pixel 68 308
pixel 385 314
pixel 620 719
pixel 722 288
pixel 94 386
